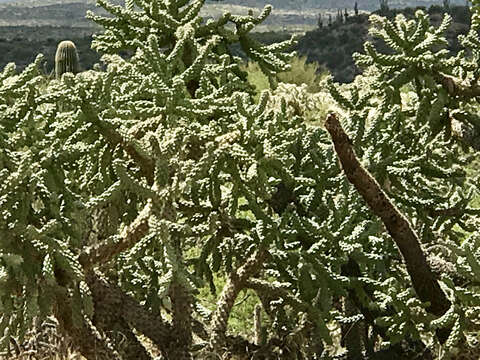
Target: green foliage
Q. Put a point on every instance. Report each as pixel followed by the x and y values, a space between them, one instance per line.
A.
pixel 300 72
pixel 178 176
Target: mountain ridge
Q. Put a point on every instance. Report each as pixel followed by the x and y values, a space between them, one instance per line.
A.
pixel 366 5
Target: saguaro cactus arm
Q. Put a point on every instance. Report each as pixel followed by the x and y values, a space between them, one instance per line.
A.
pixel 66 59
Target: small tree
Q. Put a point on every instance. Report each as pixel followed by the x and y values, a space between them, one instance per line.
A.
pixel 339 18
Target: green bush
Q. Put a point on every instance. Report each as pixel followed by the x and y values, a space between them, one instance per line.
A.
pixel 300 72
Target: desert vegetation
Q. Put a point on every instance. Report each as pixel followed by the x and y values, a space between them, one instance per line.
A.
pixel 179 203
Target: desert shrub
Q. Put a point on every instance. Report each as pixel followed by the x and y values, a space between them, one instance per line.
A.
pixel 300 72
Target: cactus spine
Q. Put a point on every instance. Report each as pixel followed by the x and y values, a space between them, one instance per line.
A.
pixel 66 59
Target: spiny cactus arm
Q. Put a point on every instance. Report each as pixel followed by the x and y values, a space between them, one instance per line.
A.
pixel 190 11
pixel 215 27
pixel 352 270
pixel 453 211
pixel 66 59
pixel 463 126
pixel 424 283
pixel 274 291
pixel 129 26
pixel 235 283
pixel 106 250
pixel 146 164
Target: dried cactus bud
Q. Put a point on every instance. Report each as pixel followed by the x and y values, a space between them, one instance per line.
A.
pixel 66 59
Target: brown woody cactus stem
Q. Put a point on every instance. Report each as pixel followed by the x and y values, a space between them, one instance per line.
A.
pixel 424 283
pixel 85 338
pixel 235 283
pixel 181 300
pixel 112 304
pixel 104 251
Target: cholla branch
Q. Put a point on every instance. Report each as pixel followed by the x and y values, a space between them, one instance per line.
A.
pixel 106 250
pixel 453 212
pixel 423 280
pixel 235 283
pixel 146 164
pixel 454 86
pixel 88 341
pixel 113 302
pixel 273 291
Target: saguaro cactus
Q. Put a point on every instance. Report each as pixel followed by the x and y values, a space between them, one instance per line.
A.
pixel 66 59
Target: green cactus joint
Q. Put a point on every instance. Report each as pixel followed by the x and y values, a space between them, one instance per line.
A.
pixel 66 59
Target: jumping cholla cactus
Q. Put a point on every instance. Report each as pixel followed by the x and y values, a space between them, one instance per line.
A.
pixel 66 59
pixel 419 91
pixel 162 174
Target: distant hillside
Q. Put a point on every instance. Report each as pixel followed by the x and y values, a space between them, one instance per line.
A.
pixel 367 5
pixel 333 46
pixel 302 15
pixel 330 46
pixel 72 14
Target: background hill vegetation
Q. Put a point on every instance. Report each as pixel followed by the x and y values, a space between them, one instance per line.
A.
pixel 33 30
